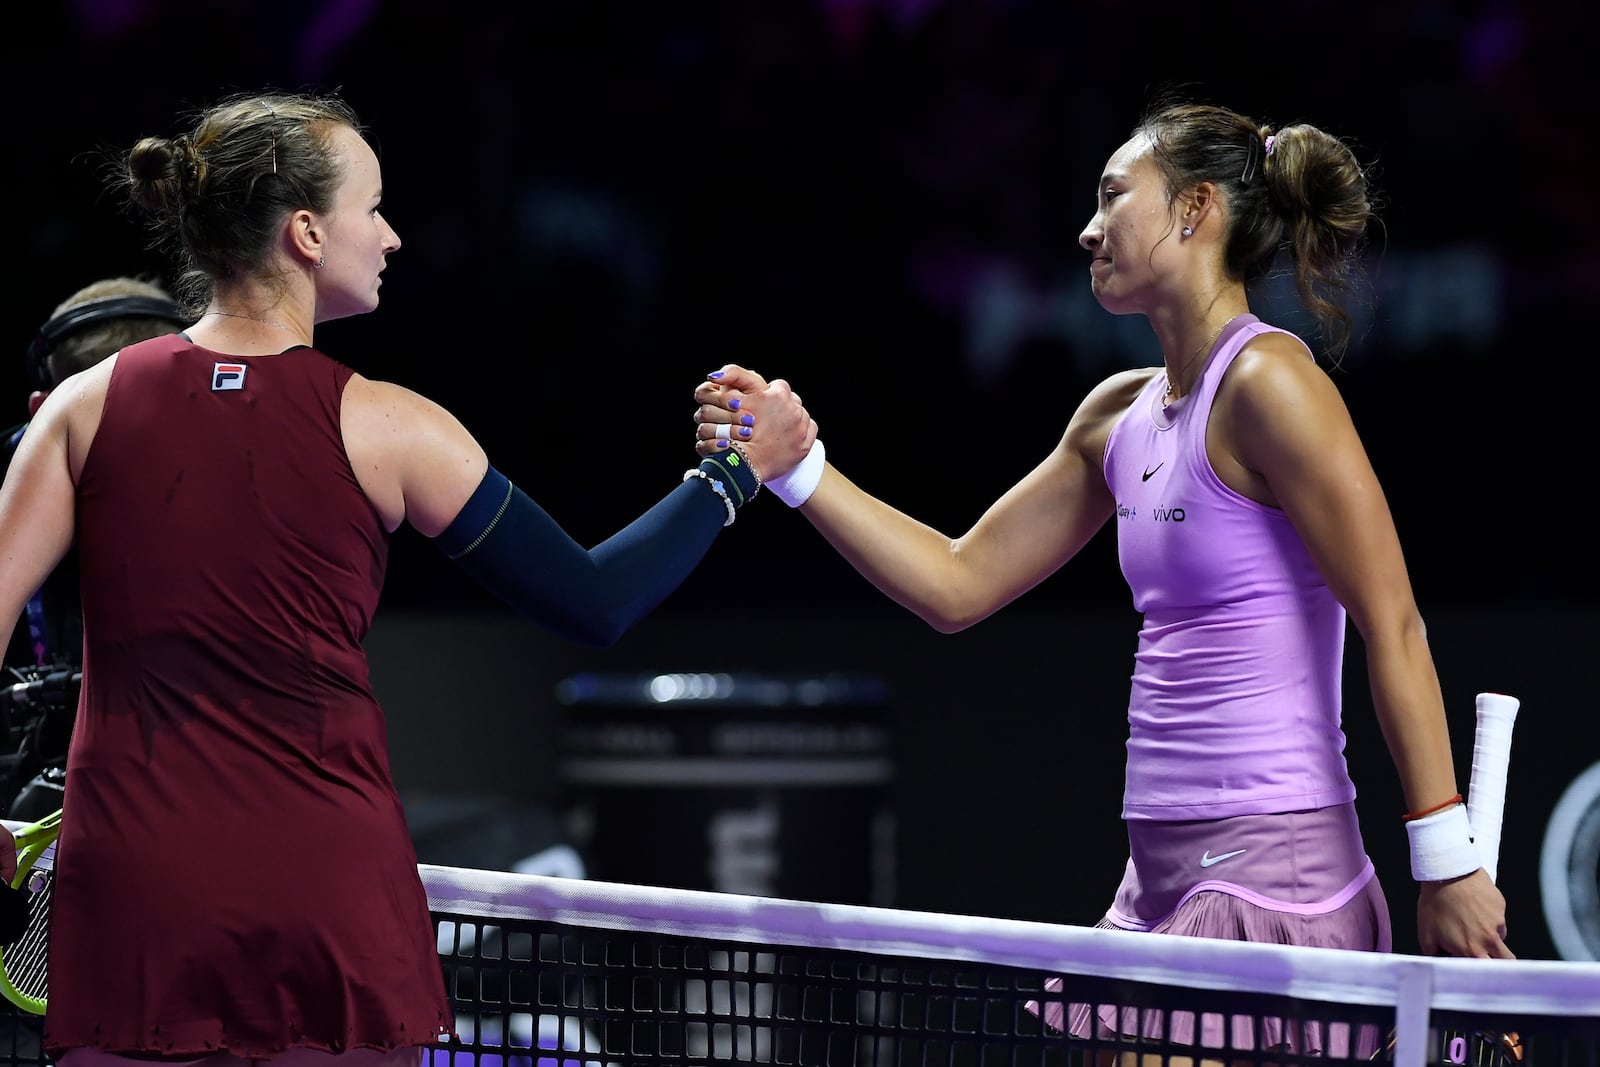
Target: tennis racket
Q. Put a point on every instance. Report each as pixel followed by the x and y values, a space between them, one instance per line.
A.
pixel 1486 789
pixel 24 958
pixel 1486 800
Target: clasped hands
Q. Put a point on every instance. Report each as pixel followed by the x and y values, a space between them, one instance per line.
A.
pixel 765 420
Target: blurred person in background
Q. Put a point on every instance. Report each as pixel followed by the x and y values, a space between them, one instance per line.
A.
pixel 45 656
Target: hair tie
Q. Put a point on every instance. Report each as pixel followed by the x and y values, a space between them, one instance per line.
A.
pixel 1272 139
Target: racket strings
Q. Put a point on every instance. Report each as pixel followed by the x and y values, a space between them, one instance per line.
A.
pixel 26 960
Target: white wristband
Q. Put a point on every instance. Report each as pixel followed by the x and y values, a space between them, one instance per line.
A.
pixel 1442 847
pixel 795 487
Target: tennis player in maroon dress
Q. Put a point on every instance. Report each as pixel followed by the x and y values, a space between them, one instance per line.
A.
pixel 234 877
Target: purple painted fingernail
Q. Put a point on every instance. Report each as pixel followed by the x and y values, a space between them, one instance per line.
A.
pixel 722 442
pixel 734 403
pixel 744 431
pixel 714 375
pixel 747 420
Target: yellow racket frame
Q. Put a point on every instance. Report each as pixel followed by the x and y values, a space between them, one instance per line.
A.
pixel 32 840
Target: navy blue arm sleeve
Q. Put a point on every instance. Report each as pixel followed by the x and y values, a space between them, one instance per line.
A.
pixel 515 550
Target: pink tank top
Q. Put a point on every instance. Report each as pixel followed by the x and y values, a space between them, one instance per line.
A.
pixel 1235 701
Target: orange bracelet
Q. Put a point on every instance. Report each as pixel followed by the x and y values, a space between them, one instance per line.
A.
pixel 1413 816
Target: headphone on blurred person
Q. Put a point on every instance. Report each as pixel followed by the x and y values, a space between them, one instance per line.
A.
pixel 81 317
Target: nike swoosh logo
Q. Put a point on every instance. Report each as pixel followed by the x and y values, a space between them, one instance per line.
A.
pixel 1152 470
pixel 1208 859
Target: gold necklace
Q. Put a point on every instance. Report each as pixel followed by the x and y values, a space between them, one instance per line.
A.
pixel 1166 394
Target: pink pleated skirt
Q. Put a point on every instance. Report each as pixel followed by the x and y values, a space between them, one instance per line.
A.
pixel 1300 878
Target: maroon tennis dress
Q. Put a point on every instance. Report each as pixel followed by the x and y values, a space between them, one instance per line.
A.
pixel 234 870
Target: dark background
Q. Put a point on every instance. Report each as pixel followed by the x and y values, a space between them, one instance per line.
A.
pixel 600 202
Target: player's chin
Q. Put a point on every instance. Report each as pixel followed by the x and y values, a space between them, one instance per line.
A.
pixel 347 307
pixel 1110 300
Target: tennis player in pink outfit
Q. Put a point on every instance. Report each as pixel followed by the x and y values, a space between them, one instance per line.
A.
pixel 1250 525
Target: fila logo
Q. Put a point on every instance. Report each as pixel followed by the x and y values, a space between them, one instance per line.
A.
pixel 227 376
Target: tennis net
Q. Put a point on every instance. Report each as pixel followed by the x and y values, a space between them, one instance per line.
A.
pixel 557 973
pixel 550 972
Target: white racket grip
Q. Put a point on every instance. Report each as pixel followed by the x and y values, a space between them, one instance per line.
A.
pixel 1486 789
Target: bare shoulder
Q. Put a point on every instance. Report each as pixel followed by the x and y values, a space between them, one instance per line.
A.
pixel 1102 407
pixel 1113 395
pixel 379 407
pixel 69 416
pixel 86 388
pixel 391 417
pixel 1274 372
pixel 1275 402
pixel 414 459
pixel 371 397
pixel 76 404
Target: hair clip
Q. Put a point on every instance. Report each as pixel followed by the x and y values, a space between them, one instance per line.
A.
pixel 272 131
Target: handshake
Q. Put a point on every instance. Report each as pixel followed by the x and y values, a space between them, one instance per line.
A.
pixel 765 425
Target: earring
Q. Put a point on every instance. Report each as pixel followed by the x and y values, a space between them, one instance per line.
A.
pixel 318 264
pixel 1188 231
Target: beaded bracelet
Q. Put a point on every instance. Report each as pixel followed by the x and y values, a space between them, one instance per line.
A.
pixel 716 484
